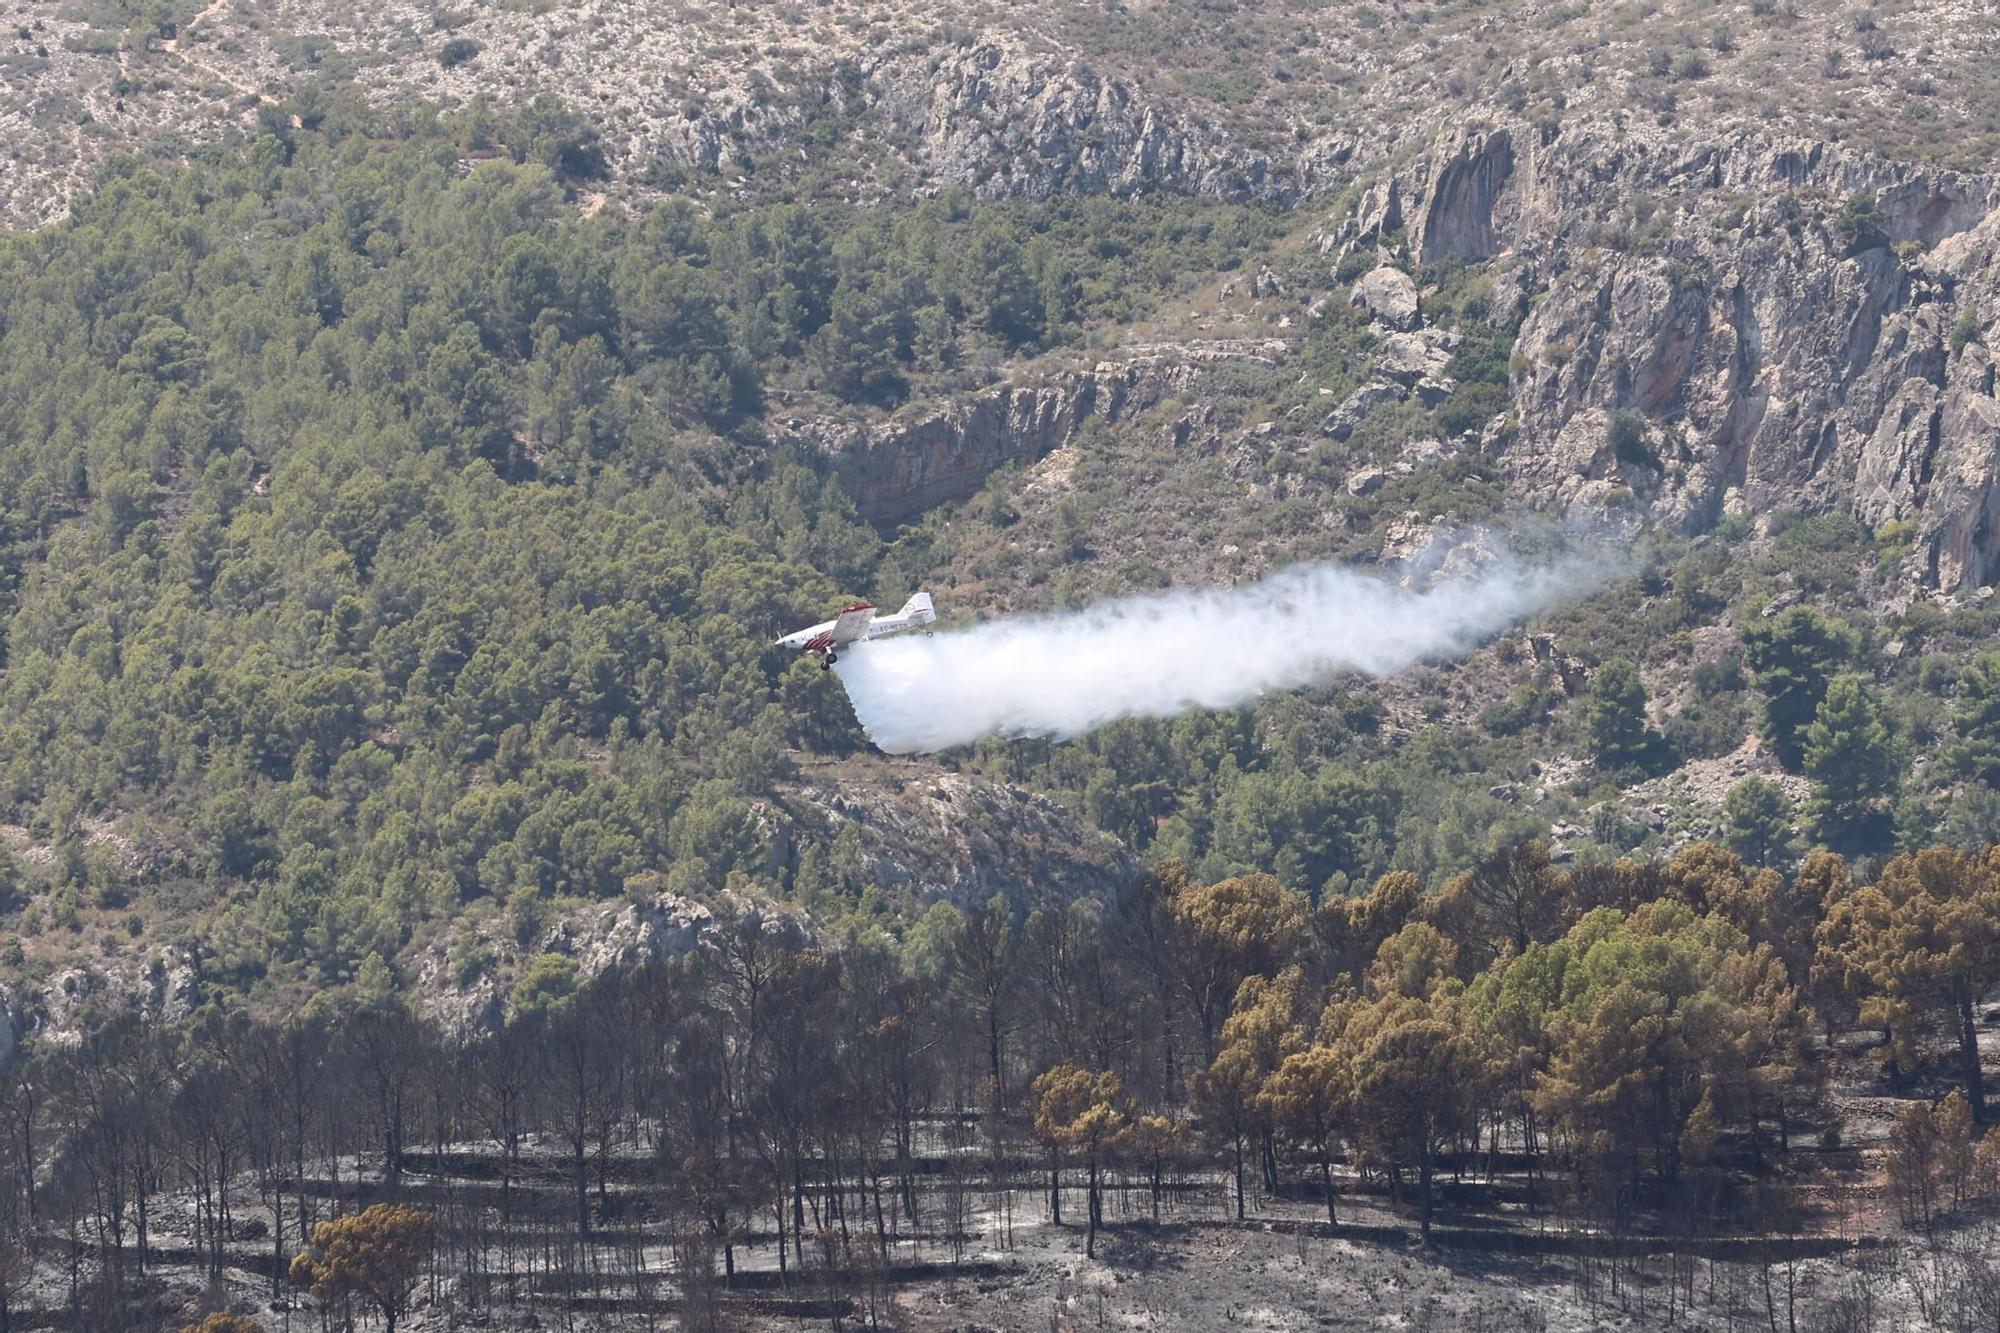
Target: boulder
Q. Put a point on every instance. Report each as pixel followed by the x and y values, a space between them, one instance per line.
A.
pixel 1789 597
pixel 1433 389
pixel 1340 422
pixel 1407 358
pixel 1389 295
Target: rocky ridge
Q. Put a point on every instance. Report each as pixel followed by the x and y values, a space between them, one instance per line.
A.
pixel 1262 101
pixel 599 938
pixel 1771 352
pixel 919 832
pixel 928 834
pixel 935 834
pixel 934 453
pixel 1790 324
pixel 942 450
pixel 1728 322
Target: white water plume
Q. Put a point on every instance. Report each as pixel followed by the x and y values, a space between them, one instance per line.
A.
pixel 1064 673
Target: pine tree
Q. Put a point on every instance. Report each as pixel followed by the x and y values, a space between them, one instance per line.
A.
pixel 1084 1111
pixel 1974 753
pixel 1852 766
pixel 1793 657
pixel 1912 1164
pixel 378 1254
pixel 1757 822
pixel 1614 716
pixel 1919 950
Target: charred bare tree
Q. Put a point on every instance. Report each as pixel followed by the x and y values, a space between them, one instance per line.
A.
pixel 814 1105
pixel 983 953
pixel 383 1048
pixel 582 1063
pixel 502 1075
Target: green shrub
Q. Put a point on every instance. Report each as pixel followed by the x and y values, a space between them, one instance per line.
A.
pixel 1626 434
pixel 1692 66
pixel 1520 710
pixel 1470 406
pixel 1732 528
pixel 1965 330
pixel 92 42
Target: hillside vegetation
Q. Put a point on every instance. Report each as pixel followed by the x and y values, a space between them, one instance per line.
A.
pixel 423 888
pixel 391 547
pixel 1655 1061
pixel 381 536
pixel 387 543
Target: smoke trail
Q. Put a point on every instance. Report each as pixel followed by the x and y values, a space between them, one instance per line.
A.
pixel 1155 656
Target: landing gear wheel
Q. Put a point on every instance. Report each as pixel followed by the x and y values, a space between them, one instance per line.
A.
pixel 831 658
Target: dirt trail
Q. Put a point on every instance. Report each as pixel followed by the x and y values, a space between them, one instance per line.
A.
pixel 172 46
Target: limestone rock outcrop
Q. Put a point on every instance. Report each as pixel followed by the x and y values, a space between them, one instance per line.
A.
pixel 1014 123
pixel 1465 178
pixel 1739 325
pixel 961 838
pixel 932 454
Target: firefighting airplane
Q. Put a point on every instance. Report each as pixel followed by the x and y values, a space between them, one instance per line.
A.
pixel 858 624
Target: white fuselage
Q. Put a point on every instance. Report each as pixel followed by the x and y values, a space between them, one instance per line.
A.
pixel 859 624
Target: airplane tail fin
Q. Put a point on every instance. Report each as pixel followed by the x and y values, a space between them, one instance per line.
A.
pixel 919 608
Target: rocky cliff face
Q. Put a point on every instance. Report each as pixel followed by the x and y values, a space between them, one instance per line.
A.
pixel 1793 325
pixel 933 454
pixel 1460 184
pixel 940 835
pixel 599 938
pixel 166 987
pixel 916 830
pixel 1760 340
pixel 1013 123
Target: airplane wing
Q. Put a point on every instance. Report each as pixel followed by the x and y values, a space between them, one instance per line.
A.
pixel 853 623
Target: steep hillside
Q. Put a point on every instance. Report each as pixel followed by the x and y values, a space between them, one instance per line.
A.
pixel 1267 100
pixel 1762 228
pixel 409 448
pixel 418 422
